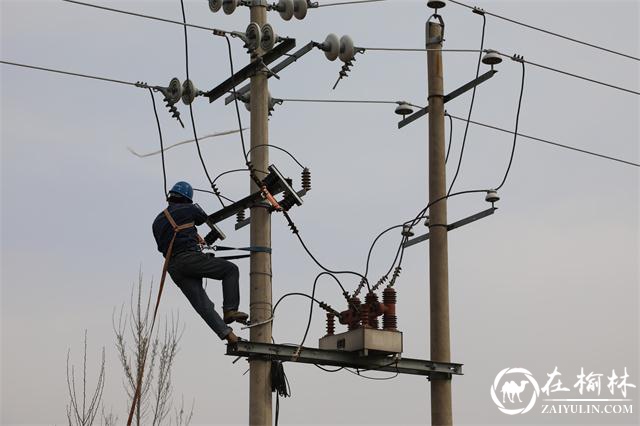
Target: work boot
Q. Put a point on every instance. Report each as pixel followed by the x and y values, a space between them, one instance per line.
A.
pixel 237 316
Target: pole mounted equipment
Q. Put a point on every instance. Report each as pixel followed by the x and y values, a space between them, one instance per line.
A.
pixel 189 92
pixel 330 47
pixel 491 57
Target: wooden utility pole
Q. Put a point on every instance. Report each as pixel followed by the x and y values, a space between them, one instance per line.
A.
pixel 260 269
pixel 441 413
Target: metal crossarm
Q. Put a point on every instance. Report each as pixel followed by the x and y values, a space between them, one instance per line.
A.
pixel 276 69
pixel 268 351
pixel 250 69
pixel 459 91
pixel 454 225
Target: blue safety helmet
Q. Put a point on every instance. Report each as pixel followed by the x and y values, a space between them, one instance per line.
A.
pixel 182 189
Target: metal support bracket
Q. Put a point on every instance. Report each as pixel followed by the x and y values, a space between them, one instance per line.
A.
pixel 247 221
pixel 452 226
pixel 275 183
pixel 268 351
pixel 276 69
pixel 459 91
pixel 249 70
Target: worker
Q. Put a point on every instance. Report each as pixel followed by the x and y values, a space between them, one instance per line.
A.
pixel 187 264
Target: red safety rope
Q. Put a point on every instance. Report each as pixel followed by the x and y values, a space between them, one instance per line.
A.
pixel 176 228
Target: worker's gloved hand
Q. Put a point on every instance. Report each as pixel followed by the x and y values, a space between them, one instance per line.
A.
pixel 211 237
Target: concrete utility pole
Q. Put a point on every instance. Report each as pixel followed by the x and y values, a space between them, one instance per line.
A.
pixel 260 269
pixel 441 413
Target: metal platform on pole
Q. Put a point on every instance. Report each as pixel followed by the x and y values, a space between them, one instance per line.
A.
pixel 336 358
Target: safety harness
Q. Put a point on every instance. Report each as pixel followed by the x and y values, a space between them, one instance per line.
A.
pixel 176 228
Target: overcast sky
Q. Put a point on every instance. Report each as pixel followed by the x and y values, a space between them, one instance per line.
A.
pixel 550 280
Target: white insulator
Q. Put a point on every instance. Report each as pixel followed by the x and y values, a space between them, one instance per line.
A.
pixel 229 6
pixel 269 38
pixel 285 8
pixel 404 108
pixel 189 92
pixel 331 47
pixel 436 4
pixel 253 36
pixel 492 196
pixel 491 58
pixel 174 91
pixel 300 8
pixel 215 5
pixel 347 49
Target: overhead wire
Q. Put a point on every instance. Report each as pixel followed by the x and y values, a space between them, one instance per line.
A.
pixel 550 142
pixel 572 39
pixel 141 15
pixel 75 74
pixel 235 100
pixel 534 138
pixel 473 97
pixel 343 3
pixel 570 74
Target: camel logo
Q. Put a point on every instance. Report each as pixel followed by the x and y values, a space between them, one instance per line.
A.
pixel 511 402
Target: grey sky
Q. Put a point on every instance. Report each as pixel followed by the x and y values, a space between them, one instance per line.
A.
pixel 550 280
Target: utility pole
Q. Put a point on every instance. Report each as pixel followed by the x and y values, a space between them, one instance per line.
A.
pixel 441 413
pixel 260 269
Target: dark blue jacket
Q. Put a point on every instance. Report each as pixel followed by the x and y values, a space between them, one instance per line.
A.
pixel 187 239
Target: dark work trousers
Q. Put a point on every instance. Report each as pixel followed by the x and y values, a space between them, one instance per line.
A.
pixel 187 270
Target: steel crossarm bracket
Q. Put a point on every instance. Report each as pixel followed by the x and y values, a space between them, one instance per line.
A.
pixel 247 221
pixel 452 226
pixel 276 69
pixel 459 91
pixel 246 72
pixel 268 351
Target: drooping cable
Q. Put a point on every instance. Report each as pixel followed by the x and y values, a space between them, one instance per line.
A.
pixel 201 138
pixel 515 132
pixel 193 122
pixel 446 158
pixel 296 232
pixel 572 39
pixel 217 194
pixel 164 171
pixel 473 96
pixel 278 148
pixel 235 99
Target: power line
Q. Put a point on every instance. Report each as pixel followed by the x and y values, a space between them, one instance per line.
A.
pixel 342 3
pixel 570 74
pixel 409 49
pixel 140 15
pixel 559 145
pixel 548 32
pixel 75 74
pixel 164 170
